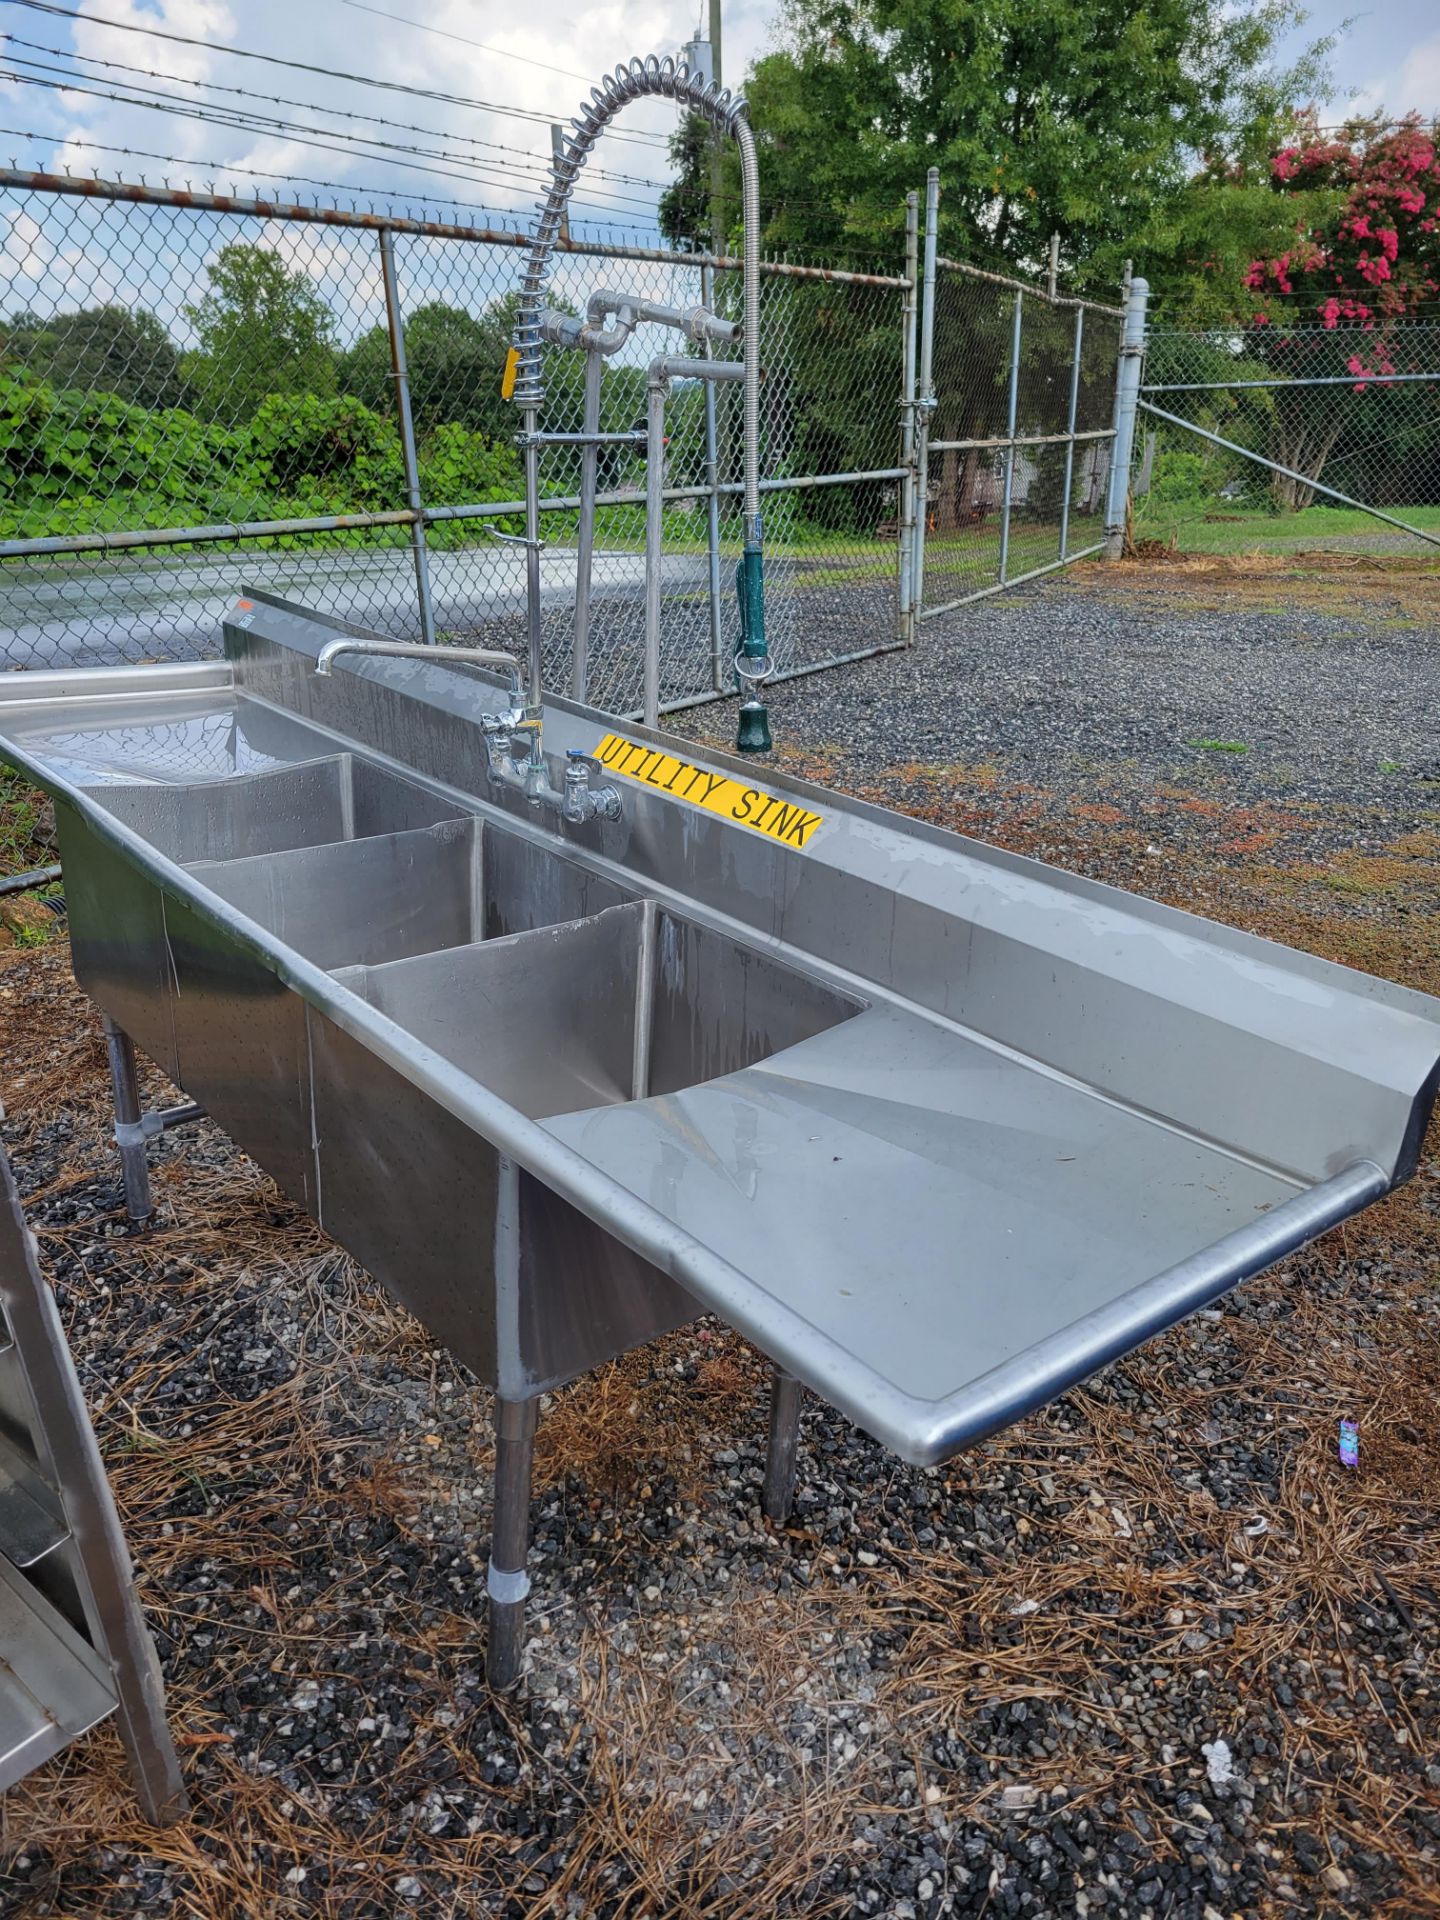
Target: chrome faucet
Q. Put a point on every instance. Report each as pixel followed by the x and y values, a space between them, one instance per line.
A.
pixel 514 756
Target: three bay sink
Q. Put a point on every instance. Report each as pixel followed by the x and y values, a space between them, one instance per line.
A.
pixel 549 985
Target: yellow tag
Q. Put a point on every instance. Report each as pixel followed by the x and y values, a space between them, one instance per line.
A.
pixel 783 820
pixel 507 379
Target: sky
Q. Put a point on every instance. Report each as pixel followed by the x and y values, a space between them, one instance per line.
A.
pixel 505 70
pixel 1388 58
pixel 537 58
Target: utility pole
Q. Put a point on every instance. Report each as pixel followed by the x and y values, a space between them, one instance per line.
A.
pixel 717 153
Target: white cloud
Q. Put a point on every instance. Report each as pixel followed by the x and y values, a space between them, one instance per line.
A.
pixel 96 134
pixel 1419 83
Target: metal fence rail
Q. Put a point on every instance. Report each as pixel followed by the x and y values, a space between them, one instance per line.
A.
pixel 1018 443
pixel 1261 437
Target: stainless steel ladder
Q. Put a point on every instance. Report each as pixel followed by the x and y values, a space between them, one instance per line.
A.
pixel 73 1643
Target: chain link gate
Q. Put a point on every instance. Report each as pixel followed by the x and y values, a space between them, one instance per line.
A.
pixel 1016 445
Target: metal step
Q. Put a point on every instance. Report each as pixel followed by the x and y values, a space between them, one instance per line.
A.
pixel 53 1685
pixel 32 1522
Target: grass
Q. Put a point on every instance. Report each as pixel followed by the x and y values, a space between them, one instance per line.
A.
pixel 1219 746
pixel 1211 527
pixel 24 823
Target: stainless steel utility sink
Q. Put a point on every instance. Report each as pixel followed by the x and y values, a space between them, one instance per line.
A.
pixel 940 1128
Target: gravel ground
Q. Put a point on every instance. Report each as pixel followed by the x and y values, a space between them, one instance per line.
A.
pixel 1153 1653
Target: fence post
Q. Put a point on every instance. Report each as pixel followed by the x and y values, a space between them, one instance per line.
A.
pixel 1070 430
pixel 1012 407
pixel 909 315
pixel 396 325
pixel 925 399
pixel 1127 396
pixel 712 502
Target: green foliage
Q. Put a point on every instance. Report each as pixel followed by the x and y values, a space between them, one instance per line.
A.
pixel 1083 120
pixel 1185 478
pixel 303 443
pixel 262 330
pixel 90 462
pixel 115 350
pixel 70 460
pixel 686 211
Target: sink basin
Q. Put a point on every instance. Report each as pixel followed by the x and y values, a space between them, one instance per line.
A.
pixel 312 804
pixel 628 1003
pixel 387 896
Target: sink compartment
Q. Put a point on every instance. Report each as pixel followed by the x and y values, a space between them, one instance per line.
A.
pixel 318 802
pixel 631 1002
pixel 391 896
pixel 362 902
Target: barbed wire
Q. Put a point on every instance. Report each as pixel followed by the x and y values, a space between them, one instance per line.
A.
pixel 285 131
pixel 542 160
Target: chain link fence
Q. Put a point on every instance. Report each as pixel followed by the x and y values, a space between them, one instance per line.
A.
pixel 198 395
pixel 1279 439
pixel 201 394
pixel 1019 447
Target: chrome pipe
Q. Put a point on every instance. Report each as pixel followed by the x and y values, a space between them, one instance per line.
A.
pixel 786 1397
pixel 585 538
pixel 129 1120
pixel 1127 395
pixel 907 421
pixel 925 398
pixel 699 324
pixel 637 80
pixel 412 650
pixel 664 369
pixel 1070 431
pixel 712 500
pixel 654 540
pixel 1012 406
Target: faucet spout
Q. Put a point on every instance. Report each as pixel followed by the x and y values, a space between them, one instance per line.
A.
pixel 418 650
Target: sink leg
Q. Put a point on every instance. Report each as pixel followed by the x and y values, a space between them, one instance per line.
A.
pixel 129 1134
pixel 508 1582
pixel 786 1394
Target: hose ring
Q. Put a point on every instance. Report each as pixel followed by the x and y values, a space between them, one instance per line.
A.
pixel 755 678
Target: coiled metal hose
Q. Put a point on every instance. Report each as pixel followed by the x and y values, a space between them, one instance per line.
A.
pixel 672 80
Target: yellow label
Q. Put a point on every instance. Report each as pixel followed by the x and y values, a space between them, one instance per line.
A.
pixel 507 379
pixel 783 820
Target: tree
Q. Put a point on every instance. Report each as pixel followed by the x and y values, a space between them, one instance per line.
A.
pixel 262 330
pixel 1361 259
pixel 455 362
pixel 686 207
pixel 1084 120
pixel 120 350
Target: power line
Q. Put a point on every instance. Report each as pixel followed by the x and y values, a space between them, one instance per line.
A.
pixel 478 170
pixel 314 106
pixel 281 129
pixel 465 40
pixel 305 66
